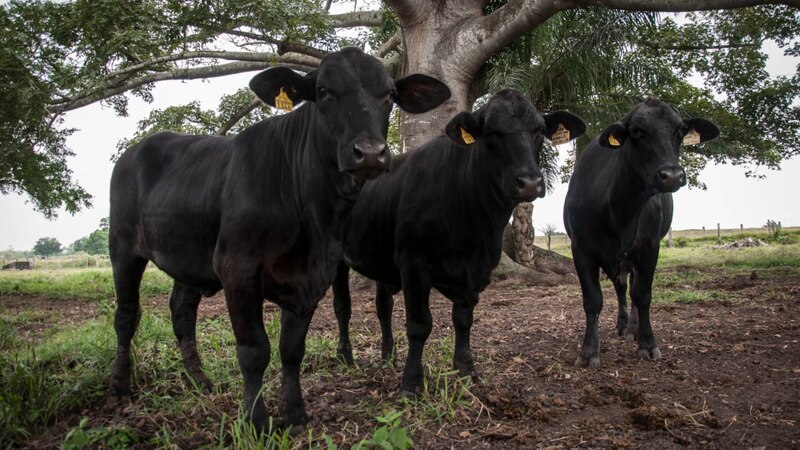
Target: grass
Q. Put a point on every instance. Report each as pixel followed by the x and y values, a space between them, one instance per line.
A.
pixel 89 284
pixel 58 385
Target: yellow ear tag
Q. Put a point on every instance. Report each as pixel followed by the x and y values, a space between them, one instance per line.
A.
pixel 282 101
pixel 613 141
pixel 691 138
pixel 561 136
pixel 466 137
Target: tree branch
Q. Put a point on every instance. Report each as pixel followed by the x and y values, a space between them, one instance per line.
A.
pixel 356 19
pixel 409 12
pixel 176 74
pixel 680 5
pixel 390 44
pixel 234 56
pixel 696 47
pixel 223 130
pixel 517 17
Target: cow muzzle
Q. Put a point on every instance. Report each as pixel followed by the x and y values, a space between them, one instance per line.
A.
pixel 369 158
pixel 529 188
pixel 671 178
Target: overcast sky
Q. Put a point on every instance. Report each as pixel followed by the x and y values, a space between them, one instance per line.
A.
pixel 731 198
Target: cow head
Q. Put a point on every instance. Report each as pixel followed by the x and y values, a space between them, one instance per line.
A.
pixel 353 95
pixel 651 135
pixel 510 131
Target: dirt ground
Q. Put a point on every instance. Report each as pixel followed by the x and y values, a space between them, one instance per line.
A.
pixel 729 376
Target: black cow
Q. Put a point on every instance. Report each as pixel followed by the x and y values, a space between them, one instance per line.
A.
pixel 258 214
pixel 618 207
pixel 437 221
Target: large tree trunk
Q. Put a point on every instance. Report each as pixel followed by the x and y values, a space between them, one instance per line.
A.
pixel 523 234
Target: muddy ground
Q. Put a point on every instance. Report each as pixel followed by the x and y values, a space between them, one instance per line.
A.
pixel 729 376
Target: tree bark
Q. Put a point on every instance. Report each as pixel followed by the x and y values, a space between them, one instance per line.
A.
pixel 523 233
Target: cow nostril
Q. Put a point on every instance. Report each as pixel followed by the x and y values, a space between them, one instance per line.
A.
pixel 358 154
pixel 664 175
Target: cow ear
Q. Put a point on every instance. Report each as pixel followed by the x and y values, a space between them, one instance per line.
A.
pixel 464 128
pixel 572 123
pixel 614 136
pixel 284 88
pixel 705 128
pixel 419 93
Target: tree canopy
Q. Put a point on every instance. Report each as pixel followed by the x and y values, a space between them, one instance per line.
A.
pixel 596 58
pixel 47 246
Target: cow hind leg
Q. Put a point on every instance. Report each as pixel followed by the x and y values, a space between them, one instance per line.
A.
pixel 588 274
pixel 128 270
pixel 632 331
pixel 384 305
pixel 462 354
pixel 294 329
pixel 183 305
pixel 342 308
pixel 621 288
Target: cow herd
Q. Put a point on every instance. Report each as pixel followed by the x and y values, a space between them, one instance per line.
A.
pixel 286 208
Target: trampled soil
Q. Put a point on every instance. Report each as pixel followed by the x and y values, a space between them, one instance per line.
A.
pixel 729 376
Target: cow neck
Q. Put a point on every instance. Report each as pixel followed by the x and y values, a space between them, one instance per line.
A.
pixel 628 193
pixel 475 175
pixel 292 158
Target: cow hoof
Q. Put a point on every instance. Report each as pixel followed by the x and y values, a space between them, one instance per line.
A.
pixel 653 354
pixel 346 359
pixel 590 362
pixel 295 430
pixel 114 400
pixel 405 394
pixel 199 381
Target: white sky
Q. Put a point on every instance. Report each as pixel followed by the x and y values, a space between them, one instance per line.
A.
pixel 731 198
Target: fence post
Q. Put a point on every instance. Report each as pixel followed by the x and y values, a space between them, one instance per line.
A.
pixel 704 231
pixel 741 227
pixel 719 239
pixel 669 238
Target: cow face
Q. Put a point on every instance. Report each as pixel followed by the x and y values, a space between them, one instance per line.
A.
pixel 651 136
pixel 511 132
pixel 353 95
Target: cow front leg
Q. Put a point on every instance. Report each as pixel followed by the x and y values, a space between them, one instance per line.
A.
pixel 183 305
pixel 589 276
pixel 384 305
pixel 342 308
pixel 128 270
pixel 292 347
pixel 462 354
pixel 416 293
pixel 641 295
pixel 252 350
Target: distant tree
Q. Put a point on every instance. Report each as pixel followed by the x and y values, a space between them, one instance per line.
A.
pixel 104 224
pixel 47 246
pixel 97 243
pixel 78 246
pixel 549 230
pixel 773 227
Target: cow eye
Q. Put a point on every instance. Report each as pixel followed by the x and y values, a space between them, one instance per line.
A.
pixel 324 94
pixel 683 130
pixel 385 98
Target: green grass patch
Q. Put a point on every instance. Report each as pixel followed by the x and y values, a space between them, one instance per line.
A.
pixel 745 258
pixel 89 284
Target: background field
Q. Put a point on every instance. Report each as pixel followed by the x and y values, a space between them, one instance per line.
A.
pixel 727 321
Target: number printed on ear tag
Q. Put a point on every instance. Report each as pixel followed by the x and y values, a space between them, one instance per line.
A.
pixel 561 136
pixel 282 101
pixel 691 138
pixel 466 137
